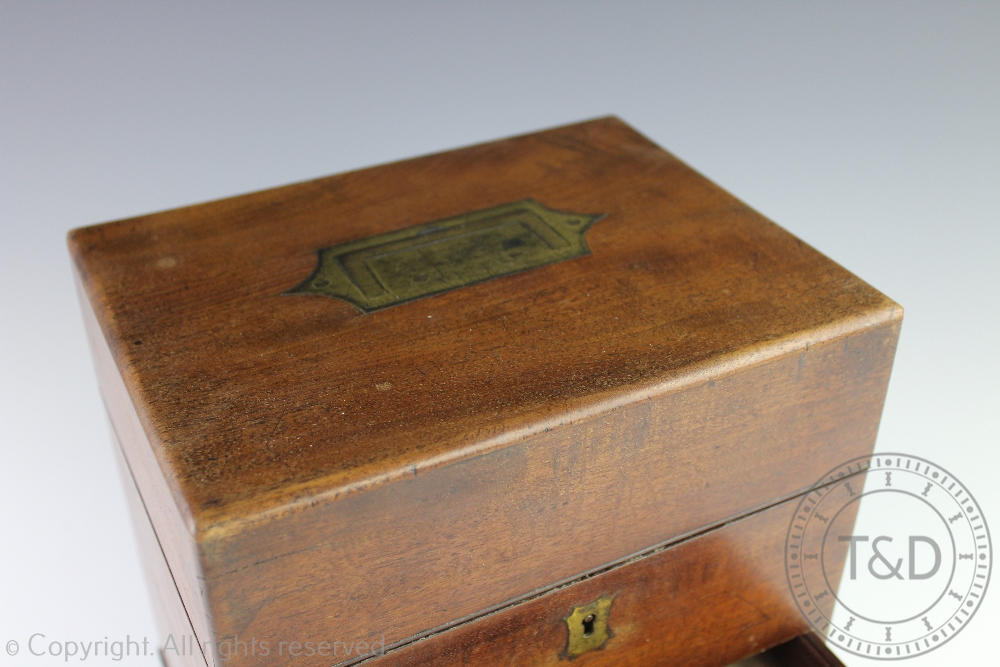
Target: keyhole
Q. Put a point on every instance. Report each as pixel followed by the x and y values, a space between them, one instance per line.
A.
pixel 588 625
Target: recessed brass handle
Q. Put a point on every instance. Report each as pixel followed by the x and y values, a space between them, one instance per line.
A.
pixel 435 257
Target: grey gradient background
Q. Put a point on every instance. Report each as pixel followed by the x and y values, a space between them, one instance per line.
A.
pixel 869 129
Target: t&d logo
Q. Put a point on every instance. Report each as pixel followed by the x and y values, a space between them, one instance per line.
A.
pixel 916 564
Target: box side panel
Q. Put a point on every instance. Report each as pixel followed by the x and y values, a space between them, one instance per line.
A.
pixel 458 540
pixel 178 544
pixel 178 645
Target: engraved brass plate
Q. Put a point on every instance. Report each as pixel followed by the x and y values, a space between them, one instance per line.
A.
pixel 423 260
pixel 588 627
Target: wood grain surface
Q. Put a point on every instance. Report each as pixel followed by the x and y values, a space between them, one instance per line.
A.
pixel 707 601
pixel 315 473
pixel 179 645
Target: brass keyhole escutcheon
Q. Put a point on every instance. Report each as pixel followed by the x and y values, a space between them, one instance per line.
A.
pixel 588 627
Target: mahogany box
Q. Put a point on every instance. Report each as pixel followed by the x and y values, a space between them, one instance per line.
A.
pixel 543 400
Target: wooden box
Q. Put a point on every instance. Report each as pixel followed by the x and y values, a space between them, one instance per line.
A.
pixel 546 399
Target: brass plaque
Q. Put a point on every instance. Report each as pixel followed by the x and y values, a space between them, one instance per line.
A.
pixel 587 627
pixel 423 260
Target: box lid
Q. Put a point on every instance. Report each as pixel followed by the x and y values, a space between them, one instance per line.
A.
pixel 257 395
pixel 303 344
